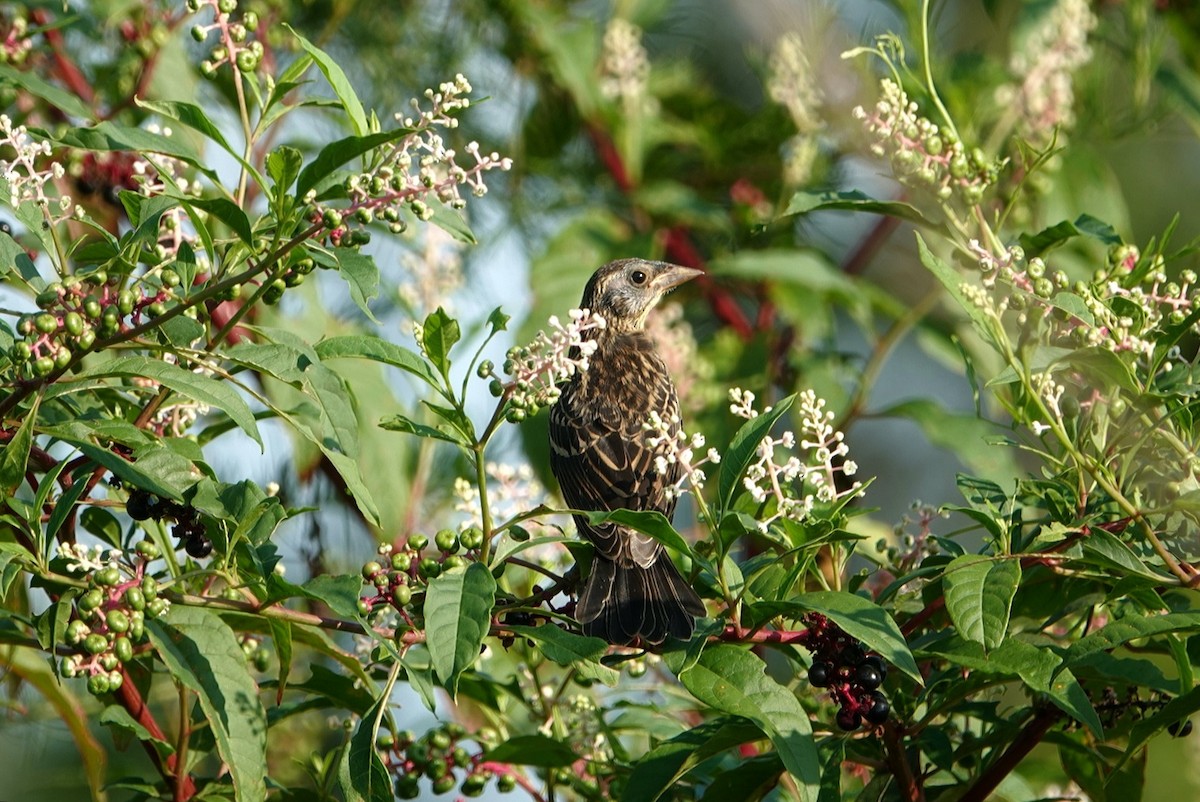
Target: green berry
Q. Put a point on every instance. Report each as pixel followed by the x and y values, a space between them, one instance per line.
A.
pixel 429 568
pixel 401 595
pixel 117 620
pixel 446 540
pixel 125 302
pixel 77 630
pixel 43 366
pixel 46 299
pixel 370 569
pixel 95 643
pixel 401 561
pixel 90 600
pixel 147 549
pixel 46 323
pixel 156 309
pixel 506 783
pixel 169 277
pixel 97 684
pixel 471 538
pixel 331 218
pixel 445 784
pixel 108 577
pixel 364 607
pixel 149 583
pixel 408 786
pixel 123 649
pixel 454 561
pixel 473 785
pixel 418 542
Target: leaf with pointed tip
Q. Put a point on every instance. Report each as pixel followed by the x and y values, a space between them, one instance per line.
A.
pixel 979 592
pixel 458 614
pixel 740 454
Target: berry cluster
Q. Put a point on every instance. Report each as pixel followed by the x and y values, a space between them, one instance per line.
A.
pixel 78 309
pixel 109 618
pixel 232 46
pixel 189 529
pixel 852 675
pixel 410 568
pixel 1112 708
pixel 436 755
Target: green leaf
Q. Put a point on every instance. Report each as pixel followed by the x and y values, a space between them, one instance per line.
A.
pixel 15 455
pixel 1132 627
pixel 658 770
pixel 853 201
pixel 203 653
pixel 1111 552
pixel 863 619
pixel 59 98
pixel 339 592
pixel 1034 665
pixel 952 281
pixel 734 681
pixel 439 334
pixel 110 136
pixel 741 452
pixel 338 80
pixel 498 321
pixel 12 564
pixel 750 780
pixel 194 117
pixel 568 649
pixel 458 614
pixel 1050 238
pixel 366 346
pixel 224 210
pixel 362 275
pixel 362 775
pixel 337 153
pixel 283 166
pixel 403 423
pixel 452 223
pixel 13 255
pixel 648 522
pixel 979 592
pixel 533 750
pixel 195 386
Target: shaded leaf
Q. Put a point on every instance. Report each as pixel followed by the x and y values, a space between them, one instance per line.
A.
pixel 203 653
pixel 853 201
pixel 458 612
pixel 979 593
pixel 533 750
pixel 741 452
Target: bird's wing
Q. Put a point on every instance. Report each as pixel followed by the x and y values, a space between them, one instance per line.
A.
pixel 602 461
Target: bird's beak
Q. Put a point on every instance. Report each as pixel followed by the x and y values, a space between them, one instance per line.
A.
pixel 672 276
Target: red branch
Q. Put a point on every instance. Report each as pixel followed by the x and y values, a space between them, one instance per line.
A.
pixel 64 64
pixel 131 699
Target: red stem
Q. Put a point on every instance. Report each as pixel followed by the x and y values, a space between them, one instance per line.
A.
pixel 131 699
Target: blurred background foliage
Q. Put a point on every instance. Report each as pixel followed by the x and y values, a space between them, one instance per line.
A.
pixel 694 162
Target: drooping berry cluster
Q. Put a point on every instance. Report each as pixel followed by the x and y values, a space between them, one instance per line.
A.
pixel 109 618
pixel 79 309
pixel 188 528
pixel 1113 708
pixel 409 569
pixel 438 755
pixel 852 675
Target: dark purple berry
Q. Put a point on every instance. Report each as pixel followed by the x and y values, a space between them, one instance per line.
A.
pixel 848 719
pixel 198 547
pixel 851 655
pixel 868 676
pixel 878 712
pixel 878 663
pixel 1180 729
pixel 820 675
pixel 140 505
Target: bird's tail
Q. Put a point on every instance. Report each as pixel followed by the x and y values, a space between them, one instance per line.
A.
pixel 627 604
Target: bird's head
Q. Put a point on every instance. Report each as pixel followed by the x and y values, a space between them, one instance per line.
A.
pixel 625 291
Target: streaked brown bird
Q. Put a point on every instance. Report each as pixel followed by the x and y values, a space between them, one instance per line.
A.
pixel 600 455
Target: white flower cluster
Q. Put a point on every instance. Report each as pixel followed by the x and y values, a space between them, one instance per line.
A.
pixel 1158 300
pixel 921 153
pixel 155 174
pixel 85 559
pixel 792 83
pixel 625 66
pixel 674 447
pixel 797 485
pixel 537 368
pixel 420 166
pixel 1044 64
pixel 27 182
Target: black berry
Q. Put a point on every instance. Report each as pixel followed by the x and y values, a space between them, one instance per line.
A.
pixel 879 710
pixel 878 664
pixel 198 547
pixel 1180 729
pixel 868 676
pixel 140 505
pixel 820 675
pixel 848 719
pixel 851 655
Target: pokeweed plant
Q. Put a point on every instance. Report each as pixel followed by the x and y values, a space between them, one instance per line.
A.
pixel 139 580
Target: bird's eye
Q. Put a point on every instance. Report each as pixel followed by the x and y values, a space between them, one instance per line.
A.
pixel 637 277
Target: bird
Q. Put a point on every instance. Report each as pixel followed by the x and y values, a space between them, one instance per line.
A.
pixel 634 595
